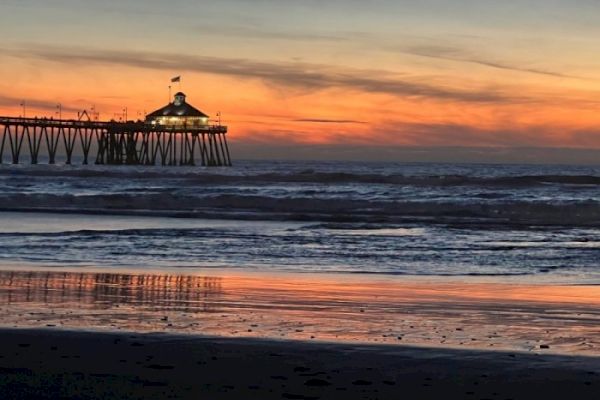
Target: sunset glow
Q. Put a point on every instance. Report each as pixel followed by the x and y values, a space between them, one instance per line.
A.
pixel 300 199
pixel 392 73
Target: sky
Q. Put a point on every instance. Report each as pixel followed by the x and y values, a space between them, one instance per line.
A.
pixel 381 79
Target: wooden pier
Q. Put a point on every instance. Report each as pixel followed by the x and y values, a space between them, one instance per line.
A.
pixel 112 142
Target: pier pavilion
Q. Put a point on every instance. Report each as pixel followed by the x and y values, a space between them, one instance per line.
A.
pixel 179 113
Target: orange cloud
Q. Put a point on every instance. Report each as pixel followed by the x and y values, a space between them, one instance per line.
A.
pixel 291 102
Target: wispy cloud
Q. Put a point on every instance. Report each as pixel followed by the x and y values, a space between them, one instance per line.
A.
pixel 38 104
pixel 461 55
pixel 455 134
pixel 329 121
pixel 260 32
pixel 397 133
pixel 300 75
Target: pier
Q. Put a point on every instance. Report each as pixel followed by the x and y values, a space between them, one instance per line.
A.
pixel 114 143
pixel 177 134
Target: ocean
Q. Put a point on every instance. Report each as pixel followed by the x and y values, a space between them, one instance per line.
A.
pixel 447 220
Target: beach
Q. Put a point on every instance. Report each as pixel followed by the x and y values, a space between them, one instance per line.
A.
pixel 300 281
pixel 115 334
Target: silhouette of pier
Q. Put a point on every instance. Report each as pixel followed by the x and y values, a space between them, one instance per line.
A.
pixel 112 142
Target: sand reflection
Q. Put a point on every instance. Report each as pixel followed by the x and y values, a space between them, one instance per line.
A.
pixel 94 290
pixel 433 313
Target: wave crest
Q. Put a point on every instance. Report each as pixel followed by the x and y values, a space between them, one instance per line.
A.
pixel 230 206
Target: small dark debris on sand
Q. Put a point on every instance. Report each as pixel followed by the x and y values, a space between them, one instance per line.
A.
pixel 317 382
pixel 362 382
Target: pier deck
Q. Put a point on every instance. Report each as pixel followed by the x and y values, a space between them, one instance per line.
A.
pixel 112 142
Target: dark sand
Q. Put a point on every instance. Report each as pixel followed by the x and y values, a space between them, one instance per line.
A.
pixel 52 364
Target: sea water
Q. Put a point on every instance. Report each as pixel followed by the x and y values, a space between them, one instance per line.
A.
pixel 320 217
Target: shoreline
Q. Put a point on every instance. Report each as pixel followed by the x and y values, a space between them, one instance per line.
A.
pixel 73 364
pixel 528 280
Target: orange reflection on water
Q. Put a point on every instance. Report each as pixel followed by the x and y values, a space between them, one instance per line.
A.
pixel 309 307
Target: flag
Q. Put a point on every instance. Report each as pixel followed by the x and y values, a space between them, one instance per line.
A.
pixel 176 79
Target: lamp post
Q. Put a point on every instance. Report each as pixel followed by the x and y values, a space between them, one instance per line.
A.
pixel 59 112
pixel 24 105
pixel 94 115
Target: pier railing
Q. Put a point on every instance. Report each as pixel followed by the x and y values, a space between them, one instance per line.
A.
pixel 112 142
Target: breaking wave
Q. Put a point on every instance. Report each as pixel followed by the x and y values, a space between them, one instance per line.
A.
pixel 252 207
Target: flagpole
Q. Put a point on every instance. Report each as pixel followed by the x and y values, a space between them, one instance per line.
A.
pixel 173 80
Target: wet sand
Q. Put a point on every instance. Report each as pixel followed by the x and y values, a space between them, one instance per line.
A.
pixel 95 334
pixel 358 309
